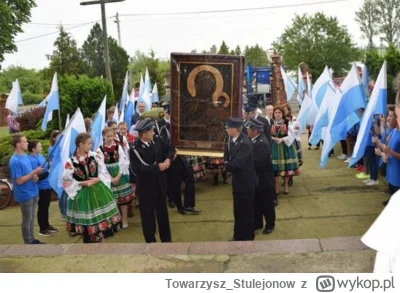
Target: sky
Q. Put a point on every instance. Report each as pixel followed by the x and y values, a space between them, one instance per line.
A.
pixel 143 27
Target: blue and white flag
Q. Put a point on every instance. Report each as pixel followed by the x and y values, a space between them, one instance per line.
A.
pixel 321 120
pixel 304 114
pixel 328 143
pixel 116 114
pixel 64 149
pixel 125 94
pixel 353 98
pixel 66 121
pixel 53 103
pixel 301 86
pixel 98 125
pixel 141 86
pixel 154 94
pixel 365 80
pixel 15 98
pixel 321 86
pixel 147 82
pixel 319 91
pixel 377 105
pixel 130 109
pixel 290 85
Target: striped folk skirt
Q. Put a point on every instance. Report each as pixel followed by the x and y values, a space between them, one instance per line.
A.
pixel 285 160
pixel 123 191
pixel 93 213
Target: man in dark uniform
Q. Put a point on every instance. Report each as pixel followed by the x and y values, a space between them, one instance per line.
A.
pixel 163 129
pixel 179 171
pixel 267 125
pixel 265 190
pixel 150 157
pixel 238 158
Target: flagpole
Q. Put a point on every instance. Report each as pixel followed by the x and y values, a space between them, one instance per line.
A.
pixel 59 118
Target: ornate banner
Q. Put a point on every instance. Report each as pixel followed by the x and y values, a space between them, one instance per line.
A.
pixel 205 91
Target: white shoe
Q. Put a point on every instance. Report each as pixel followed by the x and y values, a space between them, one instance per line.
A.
pixel 372 183
pixel 366 181
pixel 347 160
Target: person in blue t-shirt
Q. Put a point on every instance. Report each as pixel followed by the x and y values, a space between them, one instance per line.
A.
pixel 24 179
pixel 37 160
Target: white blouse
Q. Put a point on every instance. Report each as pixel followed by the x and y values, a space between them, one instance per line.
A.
pixel 72 186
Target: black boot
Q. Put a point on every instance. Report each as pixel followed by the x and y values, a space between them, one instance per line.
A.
pixel 215 181
pixel 225 177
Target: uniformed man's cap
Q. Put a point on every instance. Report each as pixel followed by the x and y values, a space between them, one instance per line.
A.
pixel 165 106
pixel 144 125
pixel 249 108
pixel 254 123
pixel 234 122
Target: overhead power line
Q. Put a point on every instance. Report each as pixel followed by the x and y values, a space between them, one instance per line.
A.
pixel 56 32
pixel 236 10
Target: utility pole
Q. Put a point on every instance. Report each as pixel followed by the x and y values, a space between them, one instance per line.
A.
pixel 105 38
pixel 117 21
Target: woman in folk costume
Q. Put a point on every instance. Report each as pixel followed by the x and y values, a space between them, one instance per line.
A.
pixel 284 157
pixel 91 209
pixel 118 168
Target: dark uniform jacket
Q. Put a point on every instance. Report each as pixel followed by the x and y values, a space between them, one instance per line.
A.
pixel 164 131
pixel 144 165
pixel 263 162
pixel 240 163
pixel 267 128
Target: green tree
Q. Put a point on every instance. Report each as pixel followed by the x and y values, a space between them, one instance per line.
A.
pixel 223 49
pixel 318 40
pixel 368 20
pixel 92 53
pixel 33 87
pixel 157 70
pixel 83 92
pixel 374 62
pixel 213 49
pixel 13 14
pixel 255 56
pixel 66 58
pixel 238 51
pixel 388 12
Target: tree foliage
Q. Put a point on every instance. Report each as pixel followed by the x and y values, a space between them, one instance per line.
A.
pixel 13 14
pixel 223 49
pixel 65 58
pixel 318 40
pixel 238 51
pixel 33 87
pixel 157 70
pixel 93 57
pixel 83 92
pixel 374 62
pixel 389 16
pixel 367 18
pixel 255 56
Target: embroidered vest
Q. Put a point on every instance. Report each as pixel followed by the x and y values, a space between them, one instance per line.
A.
pixel 84 170
pixel 111 154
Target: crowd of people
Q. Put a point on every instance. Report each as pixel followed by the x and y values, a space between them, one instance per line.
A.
pixel 140 164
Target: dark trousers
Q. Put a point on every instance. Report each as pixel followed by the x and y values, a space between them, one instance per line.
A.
pixel 177 173
pixel 244 216
pixel 150 210
pixel 43 209
pixel 264 207
pixel 344 146
pixel 373 162
pixel 393 189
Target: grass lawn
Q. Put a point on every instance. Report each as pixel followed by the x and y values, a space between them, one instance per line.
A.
pixel 3 131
